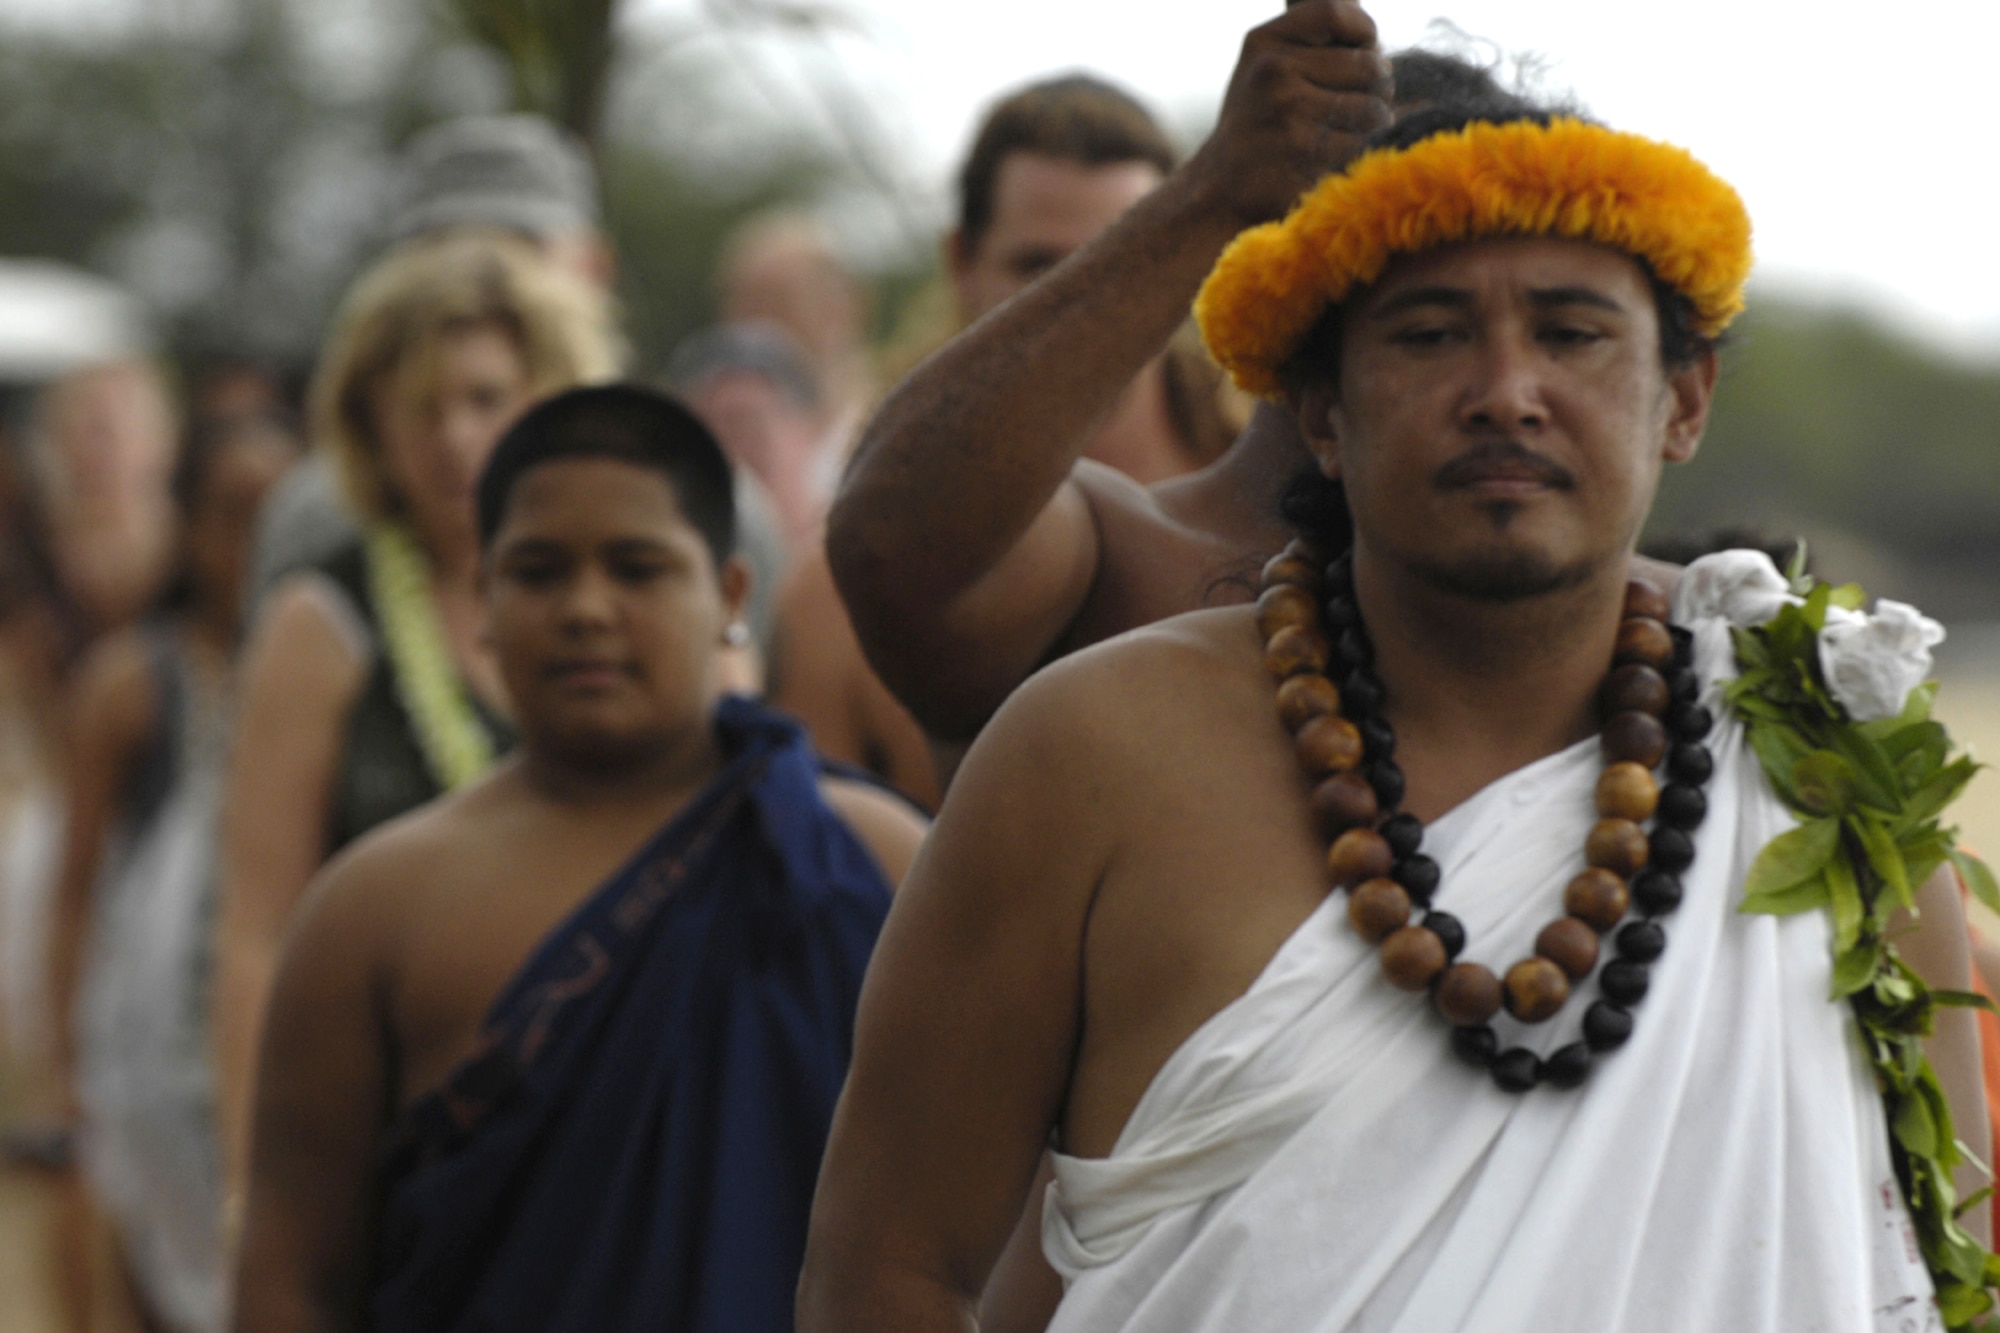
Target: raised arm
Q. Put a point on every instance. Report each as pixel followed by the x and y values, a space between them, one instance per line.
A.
pixel 322 1089
pixel 301 677
pixel 958 540
pixel 968 1024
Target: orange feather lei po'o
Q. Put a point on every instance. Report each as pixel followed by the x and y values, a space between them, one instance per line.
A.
pixel 1565 179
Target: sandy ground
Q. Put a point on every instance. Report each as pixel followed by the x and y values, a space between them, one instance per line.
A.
pixel 27 1204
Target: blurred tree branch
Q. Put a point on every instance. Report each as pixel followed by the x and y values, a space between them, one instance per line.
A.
pixel 558 54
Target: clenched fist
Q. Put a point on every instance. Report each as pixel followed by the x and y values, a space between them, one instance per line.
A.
pixel 1309 86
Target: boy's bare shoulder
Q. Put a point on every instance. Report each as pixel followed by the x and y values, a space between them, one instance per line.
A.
pixel 384 872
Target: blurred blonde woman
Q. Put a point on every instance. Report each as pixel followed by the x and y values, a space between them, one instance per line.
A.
pixel 366 689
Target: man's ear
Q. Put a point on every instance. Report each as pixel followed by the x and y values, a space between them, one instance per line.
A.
pixel 1693 390
pixel 1317 410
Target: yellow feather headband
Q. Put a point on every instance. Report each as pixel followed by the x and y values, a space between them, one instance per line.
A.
pixel 1567 179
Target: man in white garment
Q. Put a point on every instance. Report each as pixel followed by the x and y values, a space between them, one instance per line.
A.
pixel 1121 938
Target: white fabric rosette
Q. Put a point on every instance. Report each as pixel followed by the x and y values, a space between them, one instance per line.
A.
pixel 1871 662
pixel 1720 592
pixel 1742 587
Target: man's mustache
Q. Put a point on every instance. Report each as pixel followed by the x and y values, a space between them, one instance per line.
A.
pixel 1501 458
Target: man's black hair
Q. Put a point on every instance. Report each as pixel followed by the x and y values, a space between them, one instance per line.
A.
pixel 1432 78
pixel 631 425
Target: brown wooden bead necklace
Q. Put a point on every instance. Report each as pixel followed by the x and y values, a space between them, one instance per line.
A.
pixel 1313 636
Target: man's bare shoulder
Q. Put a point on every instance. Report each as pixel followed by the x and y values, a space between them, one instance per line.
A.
pixel 1122 507
pixel 1153 561
pixel 1104 485
pixel 1140 683
pixel 1166 651
pixel 1195 641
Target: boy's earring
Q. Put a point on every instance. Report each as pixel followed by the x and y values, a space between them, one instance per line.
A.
pixel 737 635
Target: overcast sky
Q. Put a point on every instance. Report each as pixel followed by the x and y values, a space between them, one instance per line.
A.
pixel 1860 135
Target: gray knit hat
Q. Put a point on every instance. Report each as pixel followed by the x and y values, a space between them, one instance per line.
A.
pixel 517 171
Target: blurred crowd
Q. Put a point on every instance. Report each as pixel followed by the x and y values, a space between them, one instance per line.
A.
pixel 240 622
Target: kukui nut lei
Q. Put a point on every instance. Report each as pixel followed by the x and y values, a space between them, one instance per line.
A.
pixel 1330 700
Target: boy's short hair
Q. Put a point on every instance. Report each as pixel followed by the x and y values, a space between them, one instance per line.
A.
pixel 632 425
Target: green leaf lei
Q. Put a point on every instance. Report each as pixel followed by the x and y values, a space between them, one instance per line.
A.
pixel 1869 795
pixel 455 745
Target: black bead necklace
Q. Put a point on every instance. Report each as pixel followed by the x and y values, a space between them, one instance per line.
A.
pixel 1331 700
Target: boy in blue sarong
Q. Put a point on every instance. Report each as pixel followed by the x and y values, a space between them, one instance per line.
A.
pixel 560 1051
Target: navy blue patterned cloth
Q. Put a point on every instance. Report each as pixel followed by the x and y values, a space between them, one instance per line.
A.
pixel 636 1144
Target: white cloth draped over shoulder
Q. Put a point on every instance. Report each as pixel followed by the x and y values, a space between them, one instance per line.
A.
pixel 1314 1158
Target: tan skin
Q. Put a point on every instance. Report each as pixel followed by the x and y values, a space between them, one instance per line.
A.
pixel 1044 209
pixel 1024 546
pixel 1021 549
pixel 302 675
pixel 1171 834
pixel 819 676
pixel 110 437
pixel 608 615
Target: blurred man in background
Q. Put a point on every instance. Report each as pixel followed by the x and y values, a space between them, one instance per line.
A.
pixel 752 385
pixel 780 268
pixel 1050 167
pixel 975 538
